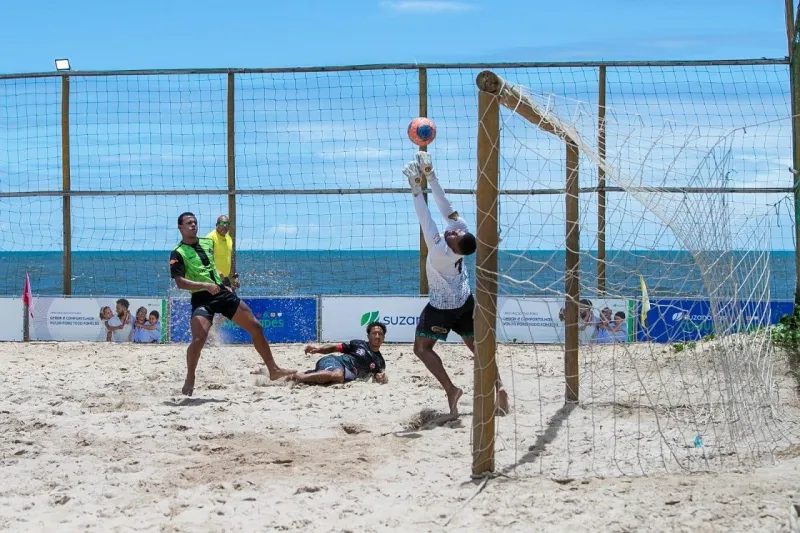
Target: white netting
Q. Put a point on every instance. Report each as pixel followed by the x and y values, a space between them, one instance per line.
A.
pixel 698 386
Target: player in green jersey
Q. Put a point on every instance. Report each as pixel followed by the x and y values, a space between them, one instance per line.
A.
pixel 193 269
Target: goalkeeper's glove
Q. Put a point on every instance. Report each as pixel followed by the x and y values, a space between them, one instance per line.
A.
pixel 411 170
pixel 425 165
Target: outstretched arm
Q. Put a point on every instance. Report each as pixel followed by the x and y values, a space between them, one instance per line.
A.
pixel 454 219
pixel 425 165
pixel 429 229
pixel 327 349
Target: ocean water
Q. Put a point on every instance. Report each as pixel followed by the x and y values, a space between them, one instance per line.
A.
pixel 378 272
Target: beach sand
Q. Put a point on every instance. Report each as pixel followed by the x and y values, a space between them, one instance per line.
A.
pixel 96 437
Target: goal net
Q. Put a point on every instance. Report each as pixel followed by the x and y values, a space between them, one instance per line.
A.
pixel 642 278
pixel 300 163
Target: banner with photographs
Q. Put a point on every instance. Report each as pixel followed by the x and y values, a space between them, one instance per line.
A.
pixel 541 320
pixel 136 320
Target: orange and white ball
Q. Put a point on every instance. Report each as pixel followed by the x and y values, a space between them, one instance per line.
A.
pixel 422 131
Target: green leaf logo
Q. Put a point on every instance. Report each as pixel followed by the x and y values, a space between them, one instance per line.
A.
pixel 370 316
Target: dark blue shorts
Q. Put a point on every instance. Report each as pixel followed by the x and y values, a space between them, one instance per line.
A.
pixel 335 362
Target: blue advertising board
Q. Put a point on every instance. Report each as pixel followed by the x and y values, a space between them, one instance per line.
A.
pixel 283 319
pixel 691 320
pixel 779 309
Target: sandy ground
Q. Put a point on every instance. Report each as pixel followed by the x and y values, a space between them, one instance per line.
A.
pixel 95 437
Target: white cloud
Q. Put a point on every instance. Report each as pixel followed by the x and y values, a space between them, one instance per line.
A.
pixel 282 229
pixel 428 6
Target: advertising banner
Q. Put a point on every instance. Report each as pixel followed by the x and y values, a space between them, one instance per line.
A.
pixel 345 317
pixel 11 327
pixel 778 309
pixel 673 320
pixel 519 320
pixel 541 320
pixel 98 319
pixel 283 319
pixel 528 320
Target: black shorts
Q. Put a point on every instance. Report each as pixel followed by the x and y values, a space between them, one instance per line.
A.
pixel 436 323
pixel 207 305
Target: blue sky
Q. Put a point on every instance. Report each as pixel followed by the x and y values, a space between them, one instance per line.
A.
pixel 346 130
pixel 249 33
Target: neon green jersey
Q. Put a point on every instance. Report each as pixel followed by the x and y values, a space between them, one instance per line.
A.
pixel 194 262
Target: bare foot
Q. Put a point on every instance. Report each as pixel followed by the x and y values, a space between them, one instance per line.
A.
pixel 452 400
pixel 502 402
pixel 278 373
pixel 188 386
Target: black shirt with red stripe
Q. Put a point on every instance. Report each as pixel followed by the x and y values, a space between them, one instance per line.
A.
pixel 365 359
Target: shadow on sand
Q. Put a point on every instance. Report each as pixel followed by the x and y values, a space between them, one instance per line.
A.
pixel 189 402
pixel 553 427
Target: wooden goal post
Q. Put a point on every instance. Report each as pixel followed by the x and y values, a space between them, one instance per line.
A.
pixel 493 92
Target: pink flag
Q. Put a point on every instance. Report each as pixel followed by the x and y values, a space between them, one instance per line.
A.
pixel 27 295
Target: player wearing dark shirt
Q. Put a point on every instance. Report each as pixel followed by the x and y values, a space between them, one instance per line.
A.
pixel 193 269
pixel 358 359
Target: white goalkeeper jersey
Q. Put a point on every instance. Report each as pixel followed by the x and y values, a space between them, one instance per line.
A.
pixel 448 283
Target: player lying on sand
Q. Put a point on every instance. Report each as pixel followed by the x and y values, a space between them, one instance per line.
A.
pixel 193 269
pixel 358 359
pixel 451 304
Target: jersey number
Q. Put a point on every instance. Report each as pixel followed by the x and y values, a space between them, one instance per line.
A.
pixel 460 265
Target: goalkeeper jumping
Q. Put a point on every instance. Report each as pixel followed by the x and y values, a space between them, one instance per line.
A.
pixel 451 305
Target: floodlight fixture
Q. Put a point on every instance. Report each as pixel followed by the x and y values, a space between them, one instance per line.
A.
pixel 62 64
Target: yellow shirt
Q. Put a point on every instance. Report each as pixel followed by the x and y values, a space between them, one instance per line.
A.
pixel 223 249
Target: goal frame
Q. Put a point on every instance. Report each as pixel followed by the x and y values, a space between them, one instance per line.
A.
pixel 494 91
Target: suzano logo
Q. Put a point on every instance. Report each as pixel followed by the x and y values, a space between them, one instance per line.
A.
pixel 684 315
pixel 392 320
pixel 369 316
